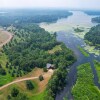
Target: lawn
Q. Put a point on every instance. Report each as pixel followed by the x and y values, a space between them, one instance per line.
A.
pixel 21 87
pixel 6 78
pixel 39 96
pixel 84 89
pixel 97 67
pixel 83 51
pixel 35 94
pixel 56 48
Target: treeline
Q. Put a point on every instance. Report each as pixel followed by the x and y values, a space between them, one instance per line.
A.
pixel 92 12
pixel 29 49
pixel 31 16
pixel 56 84
pixel 93 36
pixel 96 19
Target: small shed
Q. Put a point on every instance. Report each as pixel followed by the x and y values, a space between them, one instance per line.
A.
pixel 50 66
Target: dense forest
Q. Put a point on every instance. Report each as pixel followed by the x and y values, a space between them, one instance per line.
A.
pixel 57 83
pixel 93 36
pixel 31 16
pixel 29 48
pixel 96 19
pixel 91 12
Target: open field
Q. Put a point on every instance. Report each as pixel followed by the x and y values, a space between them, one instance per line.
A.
pixel 20 84
pixel 4 79
pixel 5 37
pixel 84 89
pixel 56 48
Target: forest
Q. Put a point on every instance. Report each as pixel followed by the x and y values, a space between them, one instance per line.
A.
pixel 91 12
pixel 96 19
pixel 29 49
pixel 93 36
pixel 31 16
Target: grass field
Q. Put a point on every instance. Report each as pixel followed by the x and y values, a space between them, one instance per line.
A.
pixel 84 89
pixel 38 96
pixel 40 86
pixel 97 67
pixel 56 48
pixel 83 51
pixel 6 78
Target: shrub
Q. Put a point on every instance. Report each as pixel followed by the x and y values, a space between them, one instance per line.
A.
pixel 45 69
pixel 29 85
pixel 14 92
pixel 41 78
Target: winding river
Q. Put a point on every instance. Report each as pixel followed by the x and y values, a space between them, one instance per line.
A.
pixel 64 29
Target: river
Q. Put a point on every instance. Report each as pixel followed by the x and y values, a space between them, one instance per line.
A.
pixel 64 29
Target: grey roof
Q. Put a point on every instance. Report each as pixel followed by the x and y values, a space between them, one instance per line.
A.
pixel 48 65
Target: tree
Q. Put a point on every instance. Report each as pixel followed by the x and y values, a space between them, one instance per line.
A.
pixel 0 66
pixel 14 92
pixel 7 64
pixel 29 85
pixel 45 69
pixel 2 71
pixel 41 78
pixel 9 97
pixel 22 96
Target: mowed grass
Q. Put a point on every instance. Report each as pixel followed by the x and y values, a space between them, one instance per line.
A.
pixel 85 89
pixel 97 67
pixel 39 86
pixel 83 51
pixel 21 87
pixel 39 96
pixel 56 48
pixel 6 78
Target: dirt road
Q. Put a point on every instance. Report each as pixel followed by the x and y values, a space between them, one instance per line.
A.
pixel 25 79
pixel 48 74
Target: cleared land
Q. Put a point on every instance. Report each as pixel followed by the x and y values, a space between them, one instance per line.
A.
pixel 20 83
pixel 56 48
pixel 4 79
pixel 5 37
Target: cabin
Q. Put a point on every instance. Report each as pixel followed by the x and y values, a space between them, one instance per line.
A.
pixel 50 66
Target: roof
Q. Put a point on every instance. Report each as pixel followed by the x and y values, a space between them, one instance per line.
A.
pixel 49 65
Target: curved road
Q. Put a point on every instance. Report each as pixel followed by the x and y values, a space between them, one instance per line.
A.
pixel 17 81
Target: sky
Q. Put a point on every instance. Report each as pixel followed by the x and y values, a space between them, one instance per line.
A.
pixel 78 4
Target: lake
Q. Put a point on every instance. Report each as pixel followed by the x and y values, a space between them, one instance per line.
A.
pixel 78 18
